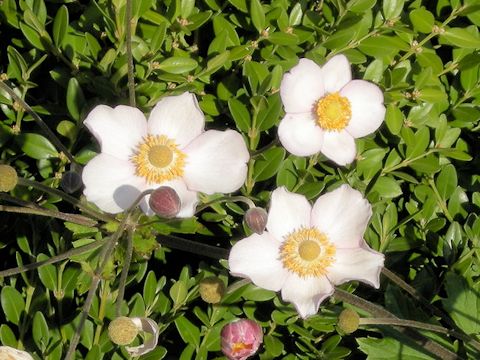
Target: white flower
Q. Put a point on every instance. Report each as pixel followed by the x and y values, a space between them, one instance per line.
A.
pixel 306 250
pixel 326 110
pixel 171 149
pixel 9 353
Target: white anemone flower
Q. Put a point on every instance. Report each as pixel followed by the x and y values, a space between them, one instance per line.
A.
pixel 171 149
pixel 307 250
pixel 326 110
pixel 9 353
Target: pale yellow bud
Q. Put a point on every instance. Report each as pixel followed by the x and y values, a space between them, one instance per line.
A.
pixel 8 178
pixel 212 290
pixel 122 331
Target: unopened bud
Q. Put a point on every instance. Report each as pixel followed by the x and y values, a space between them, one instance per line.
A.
pixel 348 321
pixel 256 219
pixel 71 182
pixel 8 178
pixel 9 353
pixel 211 290
pixel 241 339
pixel 122 331
pixel 165 202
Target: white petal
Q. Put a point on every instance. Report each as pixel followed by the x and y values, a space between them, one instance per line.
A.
pixel 301 87
pixel 149 326
pixel 336 73
pixel 339 147
pixel 257 258
pixel 216 162
pixel 118 130
pixel 177 117
pixel 300 135
pixel 306 294
pixel 288 212
pixel 368 111
pixel 362 264
pixel 111 184
pixel 343 215
pixel 7 353
pixel 188 199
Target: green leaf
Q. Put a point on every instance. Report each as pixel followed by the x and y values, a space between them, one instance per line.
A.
pixel 7 337
pixel 258 15
pixel 360 6
pixel 40 331
pixel 240 114
pixel 270 115
pixel 394 119
pixel 419 144
pixel 149 288
pixel 47 274
pixel 178 293
pixel 295 17
pixel 36 146
pixel 75 99
pixel 392 8
pixel 422 20
pixel 12 304
pixel 461 37
pixel 269 164
pixel 32 36
pixel 178 65
pixel 240 5
pixel 188 331
pixel 215 63
pixel 462 301
pixel 447 181
pixel 387 187
pixel 60 25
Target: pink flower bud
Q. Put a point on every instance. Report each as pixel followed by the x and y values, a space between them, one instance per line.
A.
pixel 256 219
pixel 241 339
pixel 165 202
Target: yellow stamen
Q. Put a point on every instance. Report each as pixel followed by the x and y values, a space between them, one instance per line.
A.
pixel 236 347
pixel 333 112
pixel 307 252
pixel 158 159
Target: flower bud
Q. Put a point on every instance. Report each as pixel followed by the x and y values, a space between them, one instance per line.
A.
pixel 241 339
pixel 71 182
pixel 348 321
pixel 9 353
pixel 8 178
pixel 256 219
pixel 165 202
pixel 122 331
pixel 211 290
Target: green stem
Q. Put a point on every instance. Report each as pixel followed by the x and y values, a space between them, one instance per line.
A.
pixel 124 274
pixel 440 201
pixel 312 161
pixel 49 133
pixel 407 162
pixel 74 218
pixel 243 199
pixel 130 74
pixel 419 325
pixel 380 312
pixel 72 200
pixel 104 256
pixel 53 259
pixel 194 247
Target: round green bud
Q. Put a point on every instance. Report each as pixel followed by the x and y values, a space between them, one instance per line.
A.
pixel 211 290
pixel 348 321
pixel 122 331
pixel 8 178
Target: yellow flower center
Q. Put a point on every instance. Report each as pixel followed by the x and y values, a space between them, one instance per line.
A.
pixel 307 252
pixel 240 346
pixel 333 112
pixel 158 159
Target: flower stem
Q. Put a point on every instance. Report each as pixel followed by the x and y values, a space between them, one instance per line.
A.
pixel 49 133
pixel 243 199
pixel 104 256
pixel 126 267
pixel 419 325
pixel 194 247
pixel 74 201
pixel 130 74
pixel 380 312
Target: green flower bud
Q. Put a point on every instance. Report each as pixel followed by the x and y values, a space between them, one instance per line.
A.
pixel 348 321
pixel 8 178
pixel 122 331
pixel 212 290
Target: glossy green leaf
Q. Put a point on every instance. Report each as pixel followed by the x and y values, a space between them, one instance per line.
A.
pixel 240 114
pixel 422 20
pixel 269 164
pixel 60 25
pixel 75 99
pixel 12 304
pixel 258 15
pixel 178 65
pixel 36 146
